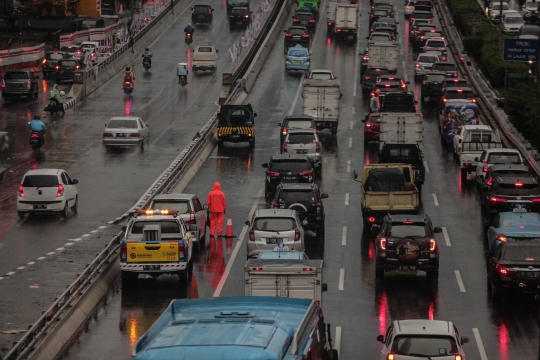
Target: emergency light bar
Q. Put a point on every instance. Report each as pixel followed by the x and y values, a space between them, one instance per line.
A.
pixel 157 212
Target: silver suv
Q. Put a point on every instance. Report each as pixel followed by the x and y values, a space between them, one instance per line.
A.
pixel 270 227
pixel 189 208
pixel 304 142
pixel 422 339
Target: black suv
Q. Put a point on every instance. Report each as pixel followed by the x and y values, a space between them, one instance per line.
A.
pixel 509 188
pixel 296 35
pixel 432 86
pixel 369 77
pixel 406 242
pixel 302 122
pixel 286 168
pixel 202 14
pixel 306 199
pixel 305 18
pixel 20 83
pixel 65 69
pixel 239 16
pixel 447 67
pixel 51 58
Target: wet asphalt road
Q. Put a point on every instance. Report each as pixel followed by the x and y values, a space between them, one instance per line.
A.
pixel 355 303
pixel 110 182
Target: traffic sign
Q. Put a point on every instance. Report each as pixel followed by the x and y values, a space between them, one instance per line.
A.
pixel 520 50
pixel 474 21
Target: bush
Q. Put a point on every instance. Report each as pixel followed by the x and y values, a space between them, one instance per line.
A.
pixel 523 107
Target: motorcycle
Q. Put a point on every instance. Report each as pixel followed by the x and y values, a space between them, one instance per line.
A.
pixel 35 141
pixel 182 80
pixel 189 38
pixel 128 87
pixel 54 107
pixel 146 63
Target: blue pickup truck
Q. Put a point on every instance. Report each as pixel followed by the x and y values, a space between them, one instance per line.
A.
pixel 238 328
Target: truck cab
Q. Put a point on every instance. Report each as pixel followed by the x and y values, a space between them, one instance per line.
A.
pixel 236 123
pixel 205 58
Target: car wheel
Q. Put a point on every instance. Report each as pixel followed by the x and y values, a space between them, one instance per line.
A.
pixel 252 144
pixel 183 277
pixel 220 144
pixel 20 214
pixel 129 277
pixel 74 208
pixel 496 293
pixel 422 100
pixel 464 174
pixel 64 212
pixel 433 275
pixel 379 273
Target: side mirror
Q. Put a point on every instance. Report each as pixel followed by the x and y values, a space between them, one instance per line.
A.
pixel 355 174
pixel 217 51
pixel 205 207
pixel 324 196
pixel 74 181
pixel 324 287
pixel 212 9
pixel 407 82
pixel 380 338
pixel 105 125
pixel 364 120
pixel 476 159
pixel 437 230
pixel 285 31
pixel 465 339
pixel 192 9
pixel 367 37
pixel 265 165
pixel 247 222
pixel 254 115
pixel 192 228
pixel 124 228
pixel 292 17
pixel 340 96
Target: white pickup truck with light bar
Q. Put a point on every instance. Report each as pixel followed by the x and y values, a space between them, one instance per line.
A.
pixel 157 242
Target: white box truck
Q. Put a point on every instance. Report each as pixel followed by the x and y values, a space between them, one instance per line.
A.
pixel 401 128
pixel 321 101
pixel 301 279
pixel 346 22
pixel 383 55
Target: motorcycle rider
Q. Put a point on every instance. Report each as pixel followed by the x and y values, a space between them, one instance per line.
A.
pixel 147 54
pixel 37 126
pixel 182 70
pixel 129 76
pixel 56 96
pixel 189 30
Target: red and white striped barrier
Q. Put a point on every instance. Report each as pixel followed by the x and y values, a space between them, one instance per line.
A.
pixel 98 34
pixel 22 58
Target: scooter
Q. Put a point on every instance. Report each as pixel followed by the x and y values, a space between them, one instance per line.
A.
pixel 35 141
pixel 189 38
pixel 182 80
pixel 146 63
pixel 54 107
pixel 128 87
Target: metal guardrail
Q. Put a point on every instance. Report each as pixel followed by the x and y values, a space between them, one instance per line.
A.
pixel 28 342
pixel 495 116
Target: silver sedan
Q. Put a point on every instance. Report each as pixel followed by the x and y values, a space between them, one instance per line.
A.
pixel 125 131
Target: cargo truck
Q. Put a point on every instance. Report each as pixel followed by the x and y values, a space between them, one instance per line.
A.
pixel 346 26
pixel 384 55
pixel 321 102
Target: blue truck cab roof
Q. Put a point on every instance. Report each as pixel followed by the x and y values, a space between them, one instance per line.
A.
pixel 235 328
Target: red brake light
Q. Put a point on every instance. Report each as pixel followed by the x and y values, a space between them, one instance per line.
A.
pixel 529 259
pixel 44 61
pixel 536 200
pixel 284 131
pixel 296 20
pixel 485 169
pixel 123 252
pixel 308 174
pixel 458 357
pixel 330 24
pixel 387 85
pixel 192 9
pixel 432 244
pixel 459 90
pixel 251 235
pixel 312 21
pixel 305 35
pixel 107 135
pixel 21 191
pixel 273 174
pixel 503 270
pixel 319 207
pixel 181 250
pixel 382 242
pixel 518 184
pixel 497 199
pixel 489 182
pixel 408 222
pixel 60 190
pixel 296 235
pixel 307 269
pixel 367 78
pixel 501 237
pixel 288 35
pixel 134 135
pixel 257 268
pixel 473 100
pixel 371 219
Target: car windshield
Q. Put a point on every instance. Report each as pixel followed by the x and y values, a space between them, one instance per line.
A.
pixel 16 76
pixel 511 189
pixel 375 119
pixel 455 83
pixel 237 11
pixel 445 67
pixel 427 59
pixel 321 76
pixel 296 31
pixel 298 52
pixel 301 138
pixel 289 197
pixel 290 166
pixel 381 37
pixel 68 63
pixel 522 253
pixel 55 56
pixel 377 72
pixel 167 226
pixel 69 49
pixel 304 16
pixel 274 224
pixel 380 13
pixel 436 43
pixel 513 20
pixel 183 207
pixel 528 221
pixel 420 346
pixel 299 124
pixel 388 21
pixel 403 230
pixel 40 181
pixel 410 152
pixel 204 49
pixel 497 6
pixel 511 158
pixel 456 94
pixel 435 78
pixel 202 9
pixel 387 85
pixel 123 124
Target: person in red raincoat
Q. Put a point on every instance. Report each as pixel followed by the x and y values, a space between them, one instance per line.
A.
pixel 217 204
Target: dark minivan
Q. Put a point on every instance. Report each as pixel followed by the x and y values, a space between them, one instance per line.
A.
pixel 65 69
pixel 20 83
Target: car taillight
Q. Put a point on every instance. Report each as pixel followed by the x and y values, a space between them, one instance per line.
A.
pixel 319 208
pixel 503 270
pixel 60 191
pixel 367 78
pixel 107 135
pixel 444 100
pixel 34 136
pixel 273 174
pixel 429 20
pixel 123 252
pixel 285 146
pixel 192 9
pixel 485 169
pixel 77 66
pixel 284 131
pixel 28 84
pixel 251 235
pixel 432 244
pixel 455 74
pixel 181 250
pixel 368 125
pixel 390 357
pixel 44 61
pixel 288 35
pixel 209 11
pixel 518 184
pixel 134 135
pixel 3 84
pixel 311 21
pixel 57 67
pixel 308 174
pixel 318 146
pixel 305 36
pixel 497 199
pixel 501 237
pixel 330 24
pixel 338 30
pixel 382 243
pixel 371 219
pixel 489 182
pixel 21 191
pixel 296 235
pixel 536 200
pixel 296 20
pixel 473 100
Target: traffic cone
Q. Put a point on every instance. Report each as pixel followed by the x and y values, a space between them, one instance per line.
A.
pixel 229 230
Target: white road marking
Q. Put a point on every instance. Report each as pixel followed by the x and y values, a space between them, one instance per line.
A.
pixel 21 267
pixel 68 244
pixel 110 222
pixel 31 263
pixel 349 166
pixel 297 94
pixel 435 200
pixel 1 244
pixel 50 253
pixel 352 124
pixel 237 247
pixel 426 166
pixel 22 221
pixel 337 342
pixel 42 257
pixel 350 142
pixel 459 281
pixel 2 278
pixel 446 237
pixel 347 199
pixel 341 278
pixel 10 273
pixel 86 235
pixel 353 110
pixel 480 344
pixel 357 65
pixel 77 239
pixel 60 249
pixel 102 227
pixel 93 231
pixel 344 236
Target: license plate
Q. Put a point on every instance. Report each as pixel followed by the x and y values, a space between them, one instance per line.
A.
pixel 345 30
pixel 303 22
pixel 303 151
pixel 201 16
pixel 523 239
pixel 239 23
pixel 274 241
pixel 407 268
pixel 151 267
pixel 297 61
pixel 235 136
pixel 283 248
pixel 289 178
pixel 40 206
pixel 529 274
pixel 121 135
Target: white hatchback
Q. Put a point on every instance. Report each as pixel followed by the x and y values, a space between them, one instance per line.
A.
pixel 125 131
pixel 47 190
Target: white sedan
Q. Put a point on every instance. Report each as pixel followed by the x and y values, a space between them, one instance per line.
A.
pixel 125 131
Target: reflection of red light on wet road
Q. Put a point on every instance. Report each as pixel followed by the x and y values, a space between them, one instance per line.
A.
pixel 328 41
pixel 193 289
pixel 216 263
pixel 383 308
pixel 431 311
pixel 503 341
pixel 129 102
pixel 133 333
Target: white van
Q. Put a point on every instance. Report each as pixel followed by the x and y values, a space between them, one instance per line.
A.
pixel 512 21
